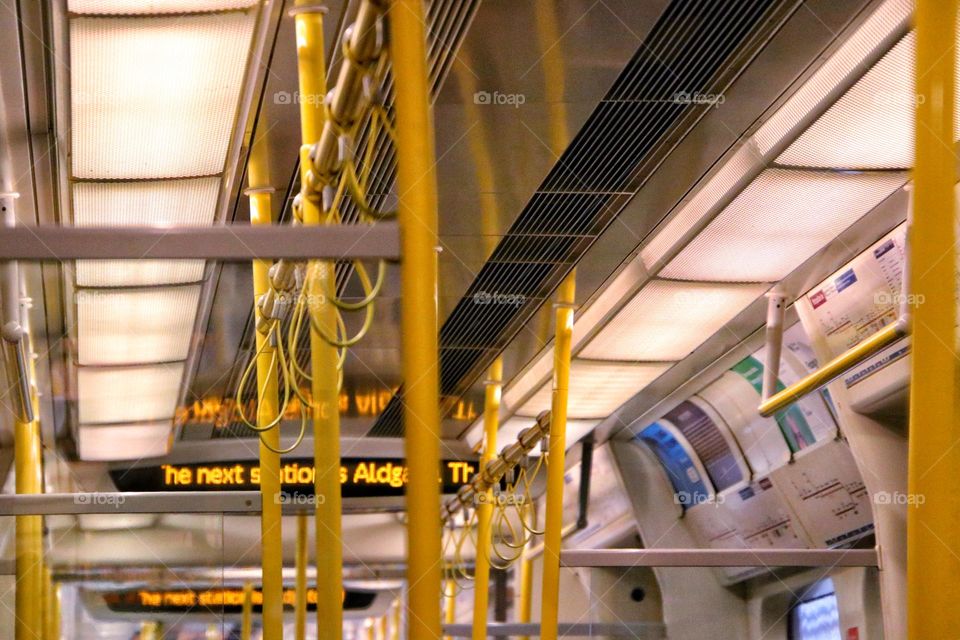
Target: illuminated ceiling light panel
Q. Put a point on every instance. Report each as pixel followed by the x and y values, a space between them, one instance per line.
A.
pixel 871 126
pixel 887 18
pixel 510 431
pixel 137 273
pixel 156 203
pixel 121 7
pixel 128 394
pixel 155 97
pixel 667 320
pixel 700 205
pixel 123 442
pixel 135 326
pixel 781 219
pixel 597 389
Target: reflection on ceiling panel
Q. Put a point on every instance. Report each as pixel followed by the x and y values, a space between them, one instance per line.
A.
pixel 155 97
pixel 667 320
pixel 781 219
pixel 137 273
pixel 155 388
pixel 871 126
pixel 117 7
pixel 185 202
pixel 130 326
pixel 886 20
pixel 123 441
pixel 596 388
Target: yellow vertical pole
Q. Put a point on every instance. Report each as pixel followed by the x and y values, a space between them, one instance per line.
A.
pixel 29 533
pixel 933 523
pixel 271 539
pixel 491 422
pixel 323 356
pixel 300 608
pixel 151 631
pixel 246 616
pixel 395 620
pixel 450 602
pixel 526 591
pixel 417 188
pixel 52 607
pixel 382 627
pixel 550 589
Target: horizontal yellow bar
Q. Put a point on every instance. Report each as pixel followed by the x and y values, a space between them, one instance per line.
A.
pixel 836 367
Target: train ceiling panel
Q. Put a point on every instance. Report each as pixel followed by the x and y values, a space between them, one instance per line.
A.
pixel 596 388
pixel 154 102
pixel 874 119
pixel 782 218
pixel 666 320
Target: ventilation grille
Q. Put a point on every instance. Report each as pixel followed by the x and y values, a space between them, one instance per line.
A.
pixel 696 49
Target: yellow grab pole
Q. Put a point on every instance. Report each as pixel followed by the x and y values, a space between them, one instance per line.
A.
pixel 382 627
pixel 246 616
pixel 395 620
pixel 526 591
pixel 300 606
pixel 271 538
pixel 553 535
pixel 151 631
pixel 933 534
pixel 51 605
pixel 450 602
pixel 323 356
pixel 491 419
pixel 29 533
pixel 417 188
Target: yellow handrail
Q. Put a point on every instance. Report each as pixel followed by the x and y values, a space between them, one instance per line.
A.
pixel 417 205
pixel 325 379
pixel 933 581
pixel 268 400
pixel 491 415
pixel 553 535
pixel 836 367
pixel 300 560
